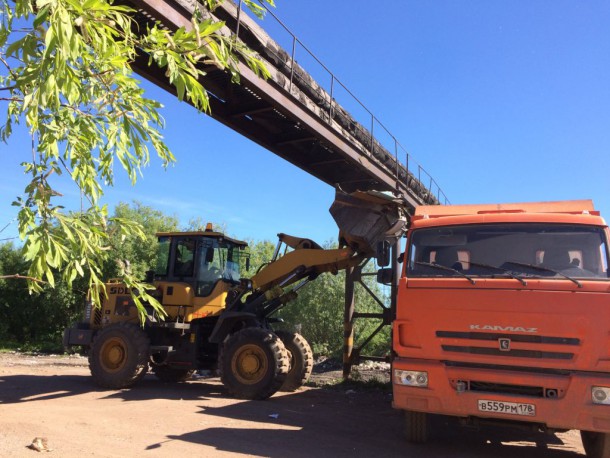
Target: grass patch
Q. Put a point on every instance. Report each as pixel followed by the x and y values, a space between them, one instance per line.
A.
pixel 47 347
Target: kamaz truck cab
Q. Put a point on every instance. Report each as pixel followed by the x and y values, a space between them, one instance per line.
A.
pixel 503 314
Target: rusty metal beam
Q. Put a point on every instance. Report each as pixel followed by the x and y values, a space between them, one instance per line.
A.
pixel 293 114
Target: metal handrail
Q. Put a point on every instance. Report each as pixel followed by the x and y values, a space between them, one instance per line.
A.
pixel 409 160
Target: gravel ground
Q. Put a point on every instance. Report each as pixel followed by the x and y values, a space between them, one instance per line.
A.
pixel 53 397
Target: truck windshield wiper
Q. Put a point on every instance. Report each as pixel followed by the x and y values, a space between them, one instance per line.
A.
pixel 500 269
pixel 545 269
pixel 442 267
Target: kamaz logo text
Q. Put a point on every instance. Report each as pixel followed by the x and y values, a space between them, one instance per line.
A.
pixel 488 327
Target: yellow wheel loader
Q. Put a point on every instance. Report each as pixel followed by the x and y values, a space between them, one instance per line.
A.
pixel 215 319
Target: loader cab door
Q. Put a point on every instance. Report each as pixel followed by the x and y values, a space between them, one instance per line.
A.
pixel 176 258
pixel 218 260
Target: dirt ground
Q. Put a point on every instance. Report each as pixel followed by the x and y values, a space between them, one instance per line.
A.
pixel 54 397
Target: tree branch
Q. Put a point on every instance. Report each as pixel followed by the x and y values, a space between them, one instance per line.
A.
pixel 22 277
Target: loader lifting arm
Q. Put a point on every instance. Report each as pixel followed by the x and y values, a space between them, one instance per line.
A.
pixel 366 221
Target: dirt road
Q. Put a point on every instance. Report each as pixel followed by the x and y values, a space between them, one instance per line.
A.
pixel 55 398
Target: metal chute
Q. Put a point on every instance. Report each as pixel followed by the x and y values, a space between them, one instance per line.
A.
pixel 366 218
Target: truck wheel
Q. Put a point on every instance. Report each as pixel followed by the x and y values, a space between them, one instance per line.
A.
pixel 301 360
pixel 596 445
pixel 169 374
pixel 119 355
pixel 416 427
pixel 253 363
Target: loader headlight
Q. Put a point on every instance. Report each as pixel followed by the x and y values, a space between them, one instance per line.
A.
pixel 411 378
pixel 600 395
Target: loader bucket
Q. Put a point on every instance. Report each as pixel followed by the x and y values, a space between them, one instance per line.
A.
pixel 367 218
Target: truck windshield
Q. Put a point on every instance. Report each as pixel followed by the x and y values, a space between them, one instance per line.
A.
pixel 514 250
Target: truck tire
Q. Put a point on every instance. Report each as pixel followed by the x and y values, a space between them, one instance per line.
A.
pixel 253 363
pixel 169 374
pixel 300 357
pixel 119 355
pixel 596 445
pixel 416 427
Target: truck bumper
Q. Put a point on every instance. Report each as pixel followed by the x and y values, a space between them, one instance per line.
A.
pixel 75 336
pixel 563 401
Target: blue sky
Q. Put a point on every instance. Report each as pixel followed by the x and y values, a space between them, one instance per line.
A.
pixel 502 101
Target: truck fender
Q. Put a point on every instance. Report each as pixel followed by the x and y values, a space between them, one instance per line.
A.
pixel 226 322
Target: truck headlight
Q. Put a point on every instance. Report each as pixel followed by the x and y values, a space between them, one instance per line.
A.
pixel 411 378
pixel 600 395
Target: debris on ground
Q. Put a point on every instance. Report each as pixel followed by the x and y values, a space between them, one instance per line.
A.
pixel 40 444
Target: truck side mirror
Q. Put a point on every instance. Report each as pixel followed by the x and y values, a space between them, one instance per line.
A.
pixel 383 253
pixel 248 264
pixel 385 276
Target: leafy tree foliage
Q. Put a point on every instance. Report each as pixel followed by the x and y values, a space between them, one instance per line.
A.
pixel 66 73
pixel 261 252
pixel 37 319
pixel 135 253
pixel 40 318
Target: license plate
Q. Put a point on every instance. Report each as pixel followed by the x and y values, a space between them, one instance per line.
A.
pixel 511 408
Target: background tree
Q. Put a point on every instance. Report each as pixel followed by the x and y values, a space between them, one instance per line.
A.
pixel 38 320
pixel 67 75
pixel 35 321
pixel 139 252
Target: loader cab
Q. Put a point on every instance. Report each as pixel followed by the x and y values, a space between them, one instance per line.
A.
pixel 202 259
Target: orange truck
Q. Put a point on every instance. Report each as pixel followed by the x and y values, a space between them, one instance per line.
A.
pixel 503 314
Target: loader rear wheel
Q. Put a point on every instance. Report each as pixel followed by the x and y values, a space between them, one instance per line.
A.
pixel 169 374
pixel 596 445
pixel 253 363
pixel 416 426
pixel 119 355
pixel 301 360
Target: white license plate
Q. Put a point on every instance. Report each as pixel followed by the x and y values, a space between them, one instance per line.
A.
pixel 512 408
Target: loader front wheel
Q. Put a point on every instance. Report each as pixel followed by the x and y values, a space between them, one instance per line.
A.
pixel 119 355
pixel 253 363
pixel 301 360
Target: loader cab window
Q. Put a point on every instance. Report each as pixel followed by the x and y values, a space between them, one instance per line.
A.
pixel 184 258
pixel 217 260
pixel 162 261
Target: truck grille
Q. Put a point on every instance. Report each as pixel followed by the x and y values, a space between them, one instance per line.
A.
pixel 511 353
pixel 520 390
